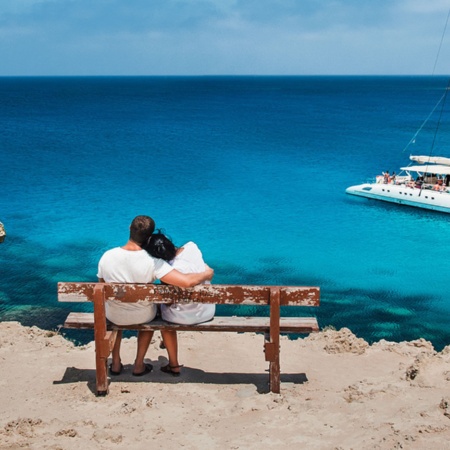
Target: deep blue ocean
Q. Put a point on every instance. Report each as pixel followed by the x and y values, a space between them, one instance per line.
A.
pixel 253 169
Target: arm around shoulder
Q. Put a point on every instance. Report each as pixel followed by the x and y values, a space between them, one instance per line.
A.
pixel 185 280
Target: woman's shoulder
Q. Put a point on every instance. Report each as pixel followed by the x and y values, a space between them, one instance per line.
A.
pixel 191 247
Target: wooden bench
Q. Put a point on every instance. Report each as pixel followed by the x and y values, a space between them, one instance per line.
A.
pixel 275 296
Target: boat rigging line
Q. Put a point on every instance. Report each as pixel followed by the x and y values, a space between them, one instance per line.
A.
pixel 440 45
pixel 413 139
pixel 442 99
pixel 444 95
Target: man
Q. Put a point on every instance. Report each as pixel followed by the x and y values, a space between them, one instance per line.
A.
pixel 132 264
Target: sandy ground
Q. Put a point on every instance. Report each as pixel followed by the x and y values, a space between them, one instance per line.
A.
pixel 337 392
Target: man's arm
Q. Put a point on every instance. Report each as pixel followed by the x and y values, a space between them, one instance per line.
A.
pixel 185 280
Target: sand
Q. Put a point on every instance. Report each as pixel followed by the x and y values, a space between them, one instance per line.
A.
pixel 337 392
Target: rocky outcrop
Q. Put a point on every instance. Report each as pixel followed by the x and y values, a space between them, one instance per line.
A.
pixel 2 232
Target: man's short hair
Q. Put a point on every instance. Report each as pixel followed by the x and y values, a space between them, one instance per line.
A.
pixel 141 229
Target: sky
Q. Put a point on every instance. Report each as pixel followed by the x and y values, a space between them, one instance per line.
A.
pixel 224 37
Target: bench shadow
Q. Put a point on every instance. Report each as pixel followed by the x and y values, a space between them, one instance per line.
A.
pixel 189 376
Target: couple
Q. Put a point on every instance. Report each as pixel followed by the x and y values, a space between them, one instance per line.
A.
pixel 143 259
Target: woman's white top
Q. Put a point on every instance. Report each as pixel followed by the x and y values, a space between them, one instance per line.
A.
pixel 189 260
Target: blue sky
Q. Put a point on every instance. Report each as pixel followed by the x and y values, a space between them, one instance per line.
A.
pixel 231 37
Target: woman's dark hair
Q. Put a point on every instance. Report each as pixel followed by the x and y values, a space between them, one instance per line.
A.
pixel 160 246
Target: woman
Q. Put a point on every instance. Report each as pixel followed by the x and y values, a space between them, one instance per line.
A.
pixel 185 259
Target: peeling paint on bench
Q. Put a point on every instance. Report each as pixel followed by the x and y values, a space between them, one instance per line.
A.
pixel 218 294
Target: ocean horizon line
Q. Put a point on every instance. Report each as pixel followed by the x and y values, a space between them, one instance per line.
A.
pixel 180 76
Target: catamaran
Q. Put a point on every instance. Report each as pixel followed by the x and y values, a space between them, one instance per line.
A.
pixel 423 185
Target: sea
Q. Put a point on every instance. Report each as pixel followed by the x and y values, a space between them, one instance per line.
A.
pixel 253 169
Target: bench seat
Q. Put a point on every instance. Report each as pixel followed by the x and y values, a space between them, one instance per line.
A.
pixel 79 320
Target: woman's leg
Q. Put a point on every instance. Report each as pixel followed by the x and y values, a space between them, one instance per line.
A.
pixel 171 343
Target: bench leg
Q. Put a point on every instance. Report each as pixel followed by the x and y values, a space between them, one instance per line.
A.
pixel 272 345
pixel 103 349
pixel 272 353
pixel 274 371
pixel 103 340
pixel 101 374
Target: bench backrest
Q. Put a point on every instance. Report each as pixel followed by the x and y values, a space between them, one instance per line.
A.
pixel 205 293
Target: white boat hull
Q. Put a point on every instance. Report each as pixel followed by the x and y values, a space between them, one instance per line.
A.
pixel 403 195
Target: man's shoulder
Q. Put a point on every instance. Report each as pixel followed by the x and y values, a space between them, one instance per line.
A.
pixel 112 251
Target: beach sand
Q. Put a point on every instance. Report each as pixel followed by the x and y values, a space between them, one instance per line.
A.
pixel 337 392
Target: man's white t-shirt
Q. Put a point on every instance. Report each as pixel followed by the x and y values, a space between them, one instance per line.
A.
pixel 190 260
pixel 125 266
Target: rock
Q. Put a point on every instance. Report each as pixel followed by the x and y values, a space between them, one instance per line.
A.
pixel 2 232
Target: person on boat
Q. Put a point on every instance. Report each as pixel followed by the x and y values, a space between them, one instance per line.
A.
pixel 386 177
pixel 419 182
pixel 132 264
pixel 186 259
pixel 441 185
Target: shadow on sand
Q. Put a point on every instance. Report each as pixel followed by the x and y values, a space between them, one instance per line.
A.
pixel 189 375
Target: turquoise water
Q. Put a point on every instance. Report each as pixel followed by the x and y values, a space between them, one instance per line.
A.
pixel 253 169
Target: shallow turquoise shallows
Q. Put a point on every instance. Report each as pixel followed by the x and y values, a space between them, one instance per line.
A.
pixel 253 169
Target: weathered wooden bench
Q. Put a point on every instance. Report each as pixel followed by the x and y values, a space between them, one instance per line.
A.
pixel 275 296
